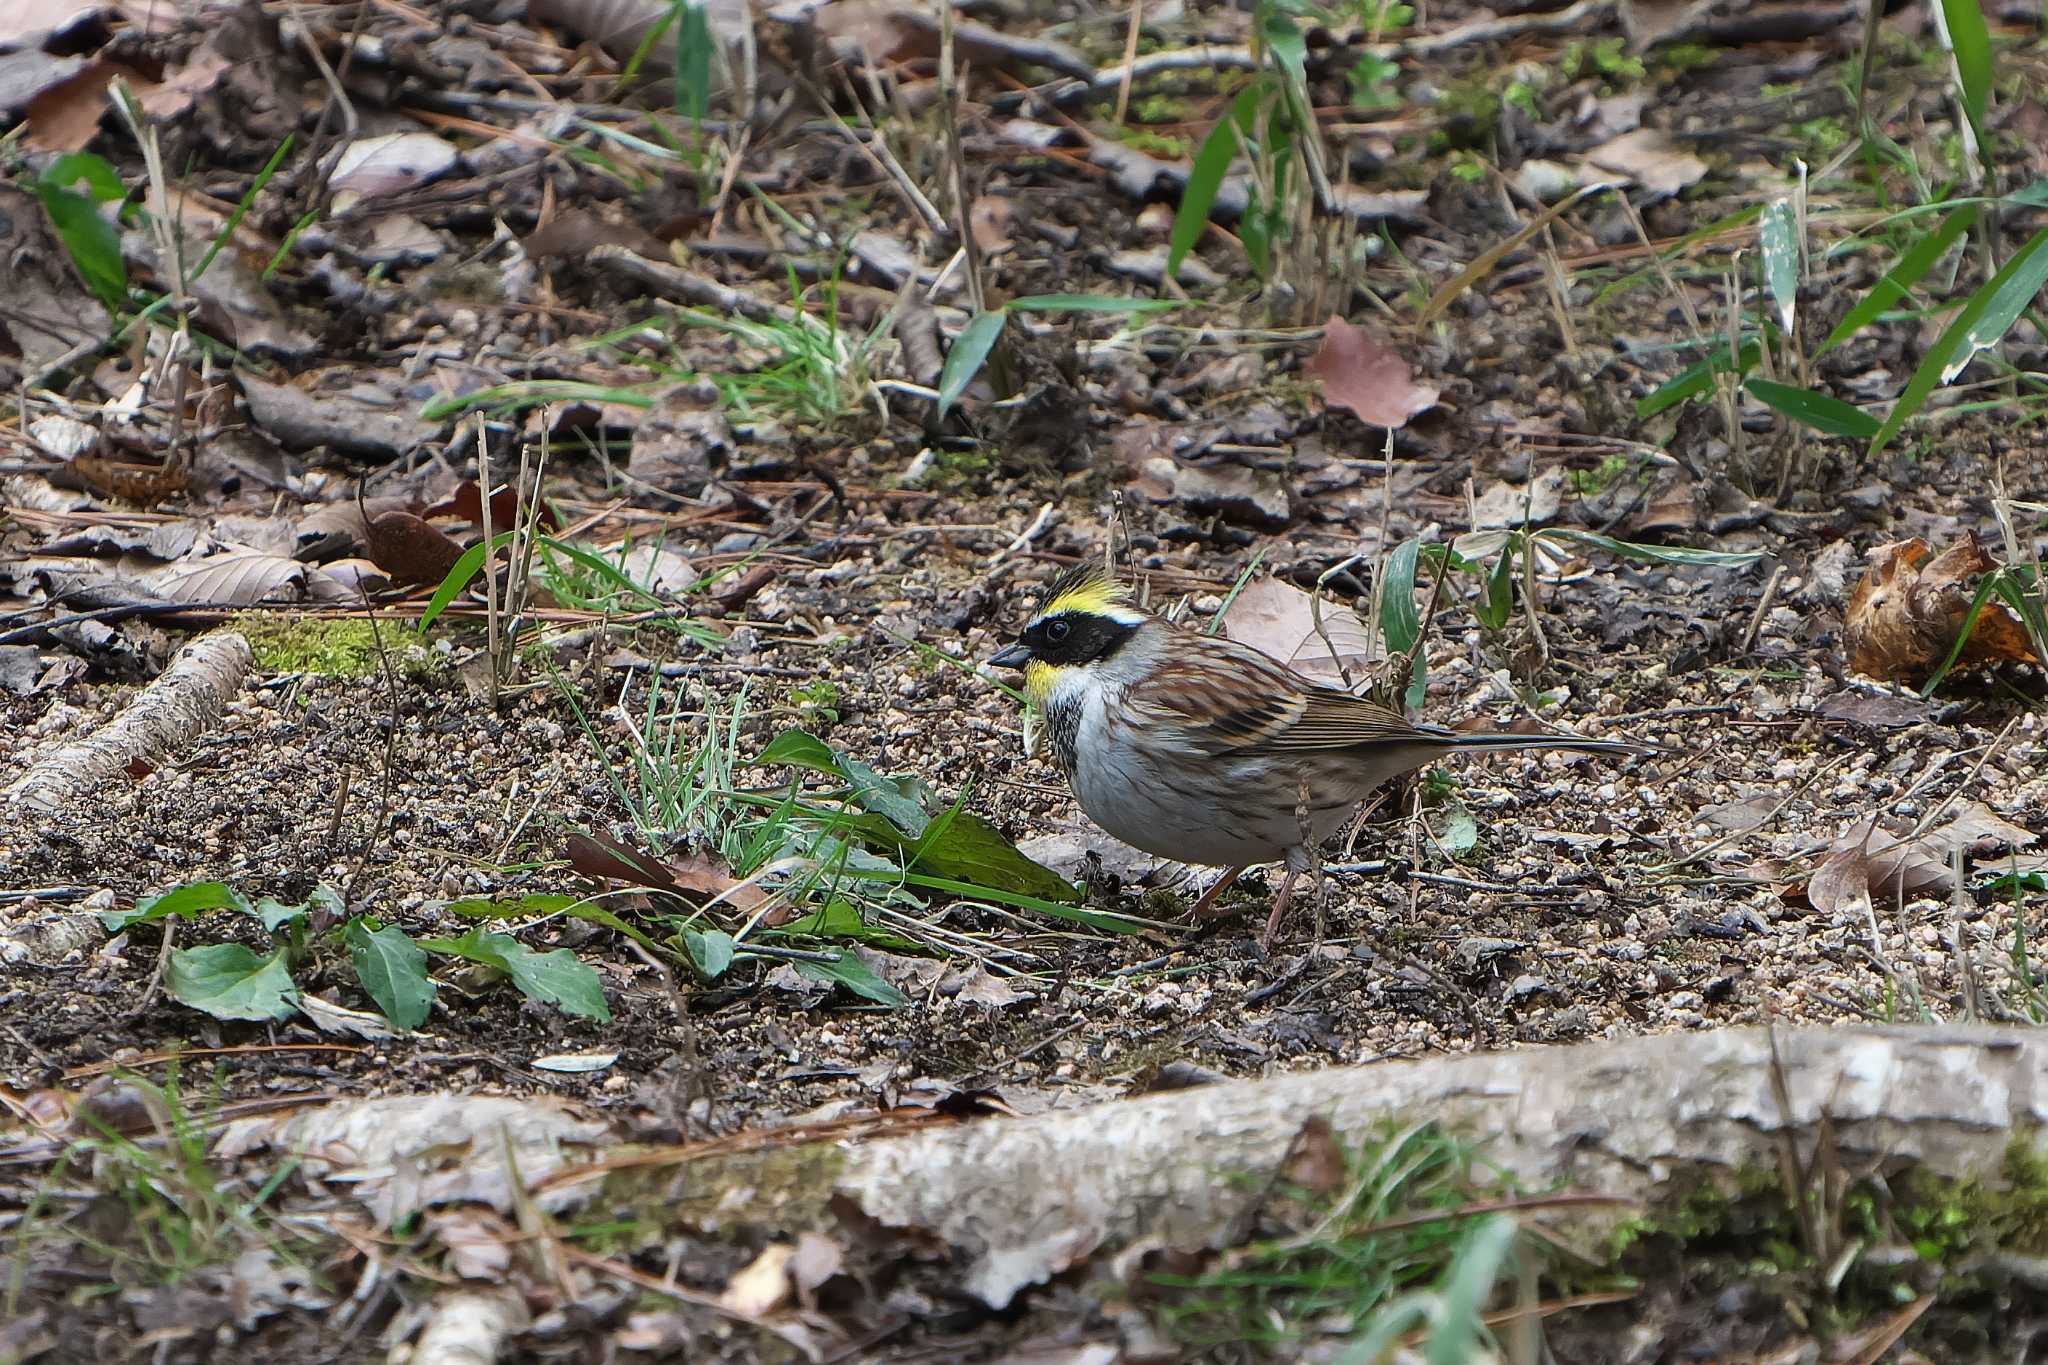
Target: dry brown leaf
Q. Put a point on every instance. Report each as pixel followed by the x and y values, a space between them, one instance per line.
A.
pixel 26 23
pixel 763 1286
pixel 410 550
pixel 1905 614
pixel 65 115
pixel 336 528
pixel 982 987
pixel 170 98
pixel 988 219
pixel 466 503
pixel 1868 865
pixel 1515 504
pixel 1365 378
pixel 1649 157
pixel 1278 618
pixel 1866 861
pixel 1317 1162
pixel 241 578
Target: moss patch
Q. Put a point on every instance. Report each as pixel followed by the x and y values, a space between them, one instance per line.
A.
pixel 330 648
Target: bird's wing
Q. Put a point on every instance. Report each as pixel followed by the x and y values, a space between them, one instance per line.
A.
pixel 1219 697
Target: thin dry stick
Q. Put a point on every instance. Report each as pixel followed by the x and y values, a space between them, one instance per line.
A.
pixel 949 111
pixel 1763 605
pixel 1123 87
pixel 484 492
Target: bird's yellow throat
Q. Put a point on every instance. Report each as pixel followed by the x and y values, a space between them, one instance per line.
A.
pixel 1039 677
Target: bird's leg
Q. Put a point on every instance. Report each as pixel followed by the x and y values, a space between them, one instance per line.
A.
pixel 1308 845
pixel 1279 910
pixel 1208 898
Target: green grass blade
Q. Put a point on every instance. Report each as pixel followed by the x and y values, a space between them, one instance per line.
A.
pixel 1820 411
pixel 1780 237
pixel 1981 323
pixel 1212 162
pixel 1912 265
pixel 1985 590
pixel 242 207
pixel 458 577
pixel 1697 378
pixel 1970 41
pixel 969 354
pixel 1090 303
pixel 1658 554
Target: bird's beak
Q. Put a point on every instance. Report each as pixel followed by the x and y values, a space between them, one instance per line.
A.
pixel 1010 656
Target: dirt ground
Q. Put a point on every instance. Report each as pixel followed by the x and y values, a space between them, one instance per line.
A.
pixel 1600 898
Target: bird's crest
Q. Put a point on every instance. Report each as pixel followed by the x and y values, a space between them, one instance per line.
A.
pixel 1088 588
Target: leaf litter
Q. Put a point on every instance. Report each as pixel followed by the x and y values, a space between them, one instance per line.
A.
pixel 380 339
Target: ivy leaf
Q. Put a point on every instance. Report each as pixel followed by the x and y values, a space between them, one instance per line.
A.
pixel 228 981
pixel 393 970
pixel 854 974
pixel 556 978
pixel 194 898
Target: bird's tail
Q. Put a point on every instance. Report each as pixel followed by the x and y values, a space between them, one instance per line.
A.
pixel 1462 740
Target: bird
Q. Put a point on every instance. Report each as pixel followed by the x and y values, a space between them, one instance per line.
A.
pixel 1205 750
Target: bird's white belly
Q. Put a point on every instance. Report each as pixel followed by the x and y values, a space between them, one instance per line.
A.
pixel 1219 815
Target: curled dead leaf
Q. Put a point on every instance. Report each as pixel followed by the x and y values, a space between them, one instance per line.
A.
pixel 410 550
pixel 1906 614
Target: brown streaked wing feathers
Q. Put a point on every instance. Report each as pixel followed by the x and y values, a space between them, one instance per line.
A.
pixel 1225 696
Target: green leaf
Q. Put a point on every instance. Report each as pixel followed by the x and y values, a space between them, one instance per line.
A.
pixel 849 971
pixel 693 64
pixel 1478 1265
pixel 228 981
pixel 1817 410
pixel 1114 924
pixel 1090 303
pixel 1287 42
pixel 597 914
pixel 969 354
pixel 1780 237
pixel 393 970
pixel 1659 554
pixel 1980 323
pixel 458 577
pixel 1460 834
pixel 1970 40
pixel 1497 601
pixel 1212 163
pixel 93 243
pixel 878 794
pixel 1400 623
pixel 555 978
pixel 711 951
pixel 797 749
pixel 273 913
pixel 97 172
pixel 1911 267
pixel 194 898
pixel 1697 378
pixel 970 849
pixel 841 919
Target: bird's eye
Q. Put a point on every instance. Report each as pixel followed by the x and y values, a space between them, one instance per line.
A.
pixel 1057 631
